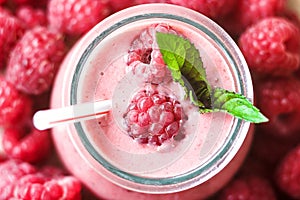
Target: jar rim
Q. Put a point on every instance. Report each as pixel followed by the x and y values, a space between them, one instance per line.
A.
pixel 244 85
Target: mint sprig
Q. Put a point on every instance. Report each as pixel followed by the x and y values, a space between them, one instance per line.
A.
pixel 184 61
pixel 237 105
pixel 186 66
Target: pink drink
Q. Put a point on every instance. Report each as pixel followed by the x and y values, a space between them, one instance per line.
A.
pixel 105 158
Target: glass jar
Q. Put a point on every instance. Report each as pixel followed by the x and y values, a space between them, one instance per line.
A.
pixel 109 162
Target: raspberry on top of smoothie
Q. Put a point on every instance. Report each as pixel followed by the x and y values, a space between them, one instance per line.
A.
pixel 144 57
pixel 153 117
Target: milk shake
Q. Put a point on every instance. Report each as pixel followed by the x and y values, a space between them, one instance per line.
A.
pixel 198 160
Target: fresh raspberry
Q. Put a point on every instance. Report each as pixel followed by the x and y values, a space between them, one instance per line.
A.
pixel 76 17
pixel 274 99
pixel 29 147
pixel 15 107
pixel 153 117
pixel 20 180
pixel 272 46
pixel 39 186
pixel 288 173
pixel 248 188
pixel 211 8
pixel 144 58
pixel 35 59
pixel 279 99
pixel 10 172
pixel 31 17
pixel 11 30
pixel 249 12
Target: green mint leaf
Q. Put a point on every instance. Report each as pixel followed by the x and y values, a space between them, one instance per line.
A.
pixel 237 105
pixel 184 61
pixel 185 64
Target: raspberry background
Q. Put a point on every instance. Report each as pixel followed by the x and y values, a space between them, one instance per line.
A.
pixel 29 168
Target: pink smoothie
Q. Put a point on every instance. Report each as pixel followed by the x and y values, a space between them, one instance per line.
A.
pixel 104 76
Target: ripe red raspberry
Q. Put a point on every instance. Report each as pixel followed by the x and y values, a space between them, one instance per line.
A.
pixel 10 172
pixel 31 17
pixel 248 188
pixel 211 8
pixel 279 99
pixel 249 12
pixel 11 30
pixel 76 17
pixel 39 186
pixel 15 107
pixel 288 173
pixel 35 59
pixel 29 147
pixel 20 180
pixel 144 58
pixel 272 46
pixel 153 117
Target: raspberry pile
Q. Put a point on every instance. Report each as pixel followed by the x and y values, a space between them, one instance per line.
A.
pixel 268 36
pixel 21 180
pixel 36 35
pixel 153 117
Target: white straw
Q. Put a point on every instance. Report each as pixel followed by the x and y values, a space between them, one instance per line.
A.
pixel 45 119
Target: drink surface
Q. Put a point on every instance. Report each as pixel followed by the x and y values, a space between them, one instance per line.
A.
pixel 105 77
